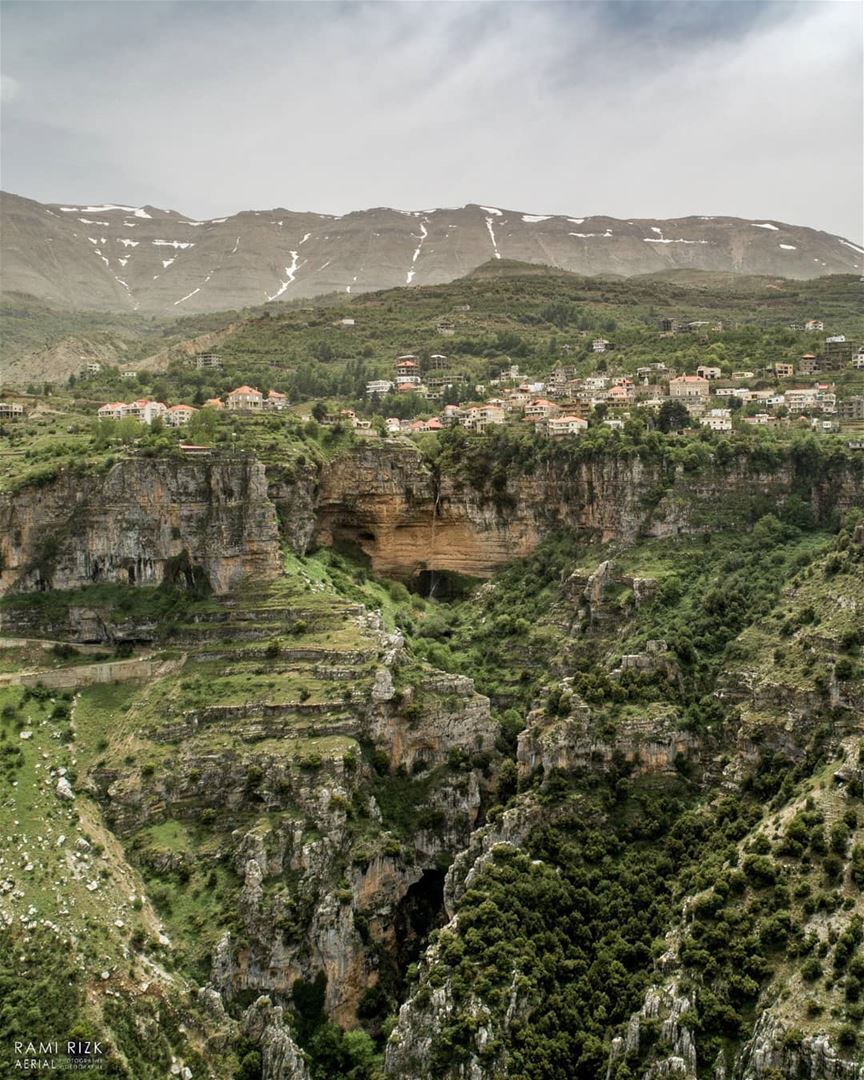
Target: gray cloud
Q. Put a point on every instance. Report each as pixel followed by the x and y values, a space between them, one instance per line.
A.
pixel 626 108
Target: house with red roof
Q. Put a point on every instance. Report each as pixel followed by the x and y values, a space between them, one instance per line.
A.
pixel 245 399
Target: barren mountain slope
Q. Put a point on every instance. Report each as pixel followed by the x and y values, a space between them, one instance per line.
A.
pixel 113 257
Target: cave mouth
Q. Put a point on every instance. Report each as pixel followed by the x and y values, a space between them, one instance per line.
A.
pixel 443 584
pixel 419 912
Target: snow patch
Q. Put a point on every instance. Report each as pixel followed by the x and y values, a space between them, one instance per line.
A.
pixel 660 240
pixel 290 271
pixel 236 246
pixel 200 287
pixel 854 247
pixel 120 281
pixel 424 232
pixel 167 262
pixel 128 243
pixel 655 229
pixel 587 235
pixel 531 218
pixel 123 261
pixel 491 210
pixel 90 221
pixel 575 220
pixel 789 247
pixel 136 211
pixel 492 236
pixel 173 243
pixel 764 225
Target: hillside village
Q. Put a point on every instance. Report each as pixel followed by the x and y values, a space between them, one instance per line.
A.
pixel 560 402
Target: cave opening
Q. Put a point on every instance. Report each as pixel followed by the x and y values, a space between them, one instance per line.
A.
pixel 443 584
pixel 419 912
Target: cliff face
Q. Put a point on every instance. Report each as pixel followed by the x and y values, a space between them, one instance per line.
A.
pixel 389 503
pixel 146 521
pixel 142 523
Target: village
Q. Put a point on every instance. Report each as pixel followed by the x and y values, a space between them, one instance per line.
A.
pixel 560 402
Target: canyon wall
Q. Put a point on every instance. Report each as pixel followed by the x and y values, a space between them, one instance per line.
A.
pixel 143 522
pixel 406 518
pixel 147 521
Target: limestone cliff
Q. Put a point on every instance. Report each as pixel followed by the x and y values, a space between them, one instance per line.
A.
pixel 143 522
pixel 407 517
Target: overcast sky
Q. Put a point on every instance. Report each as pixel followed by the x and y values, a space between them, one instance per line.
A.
pixel 615 107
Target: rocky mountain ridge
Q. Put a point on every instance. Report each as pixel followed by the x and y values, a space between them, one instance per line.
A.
pixel 121 258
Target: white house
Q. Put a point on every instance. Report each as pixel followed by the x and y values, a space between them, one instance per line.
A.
pixel 378 386
pixel 275 400
pixel 717 419
pixel 541 409
pixel 145 411
pixel 565 425
pixel 479 417
pixel 178 415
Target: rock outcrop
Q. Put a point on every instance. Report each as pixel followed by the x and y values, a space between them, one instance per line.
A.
pixel 281 1057
pixel 651 743
pixel 143 522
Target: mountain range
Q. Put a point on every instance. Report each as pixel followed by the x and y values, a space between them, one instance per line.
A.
pixel 113 257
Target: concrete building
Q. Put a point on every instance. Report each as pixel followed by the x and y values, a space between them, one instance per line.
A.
pixel 851 408
pixel 378 386
pixel 689 388
pixel 717 419
pixel 178 415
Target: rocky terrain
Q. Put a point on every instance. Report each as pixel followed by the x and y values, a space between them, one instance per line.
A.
pixel 151 521
pixel 121 258
pixel 601 818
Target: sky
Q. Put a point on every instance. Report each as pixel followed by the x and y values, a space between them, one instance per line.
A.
pixel 630 108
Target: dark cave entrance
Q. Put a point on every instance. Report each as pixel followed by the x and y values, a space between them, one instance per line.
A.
pixel 443 584
pixel 420 910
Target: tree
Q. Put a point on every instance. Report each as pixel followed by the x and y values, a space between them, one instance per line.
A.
pixel 202 424
pixel 673 416
pixel 127 430
pixel 319 411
